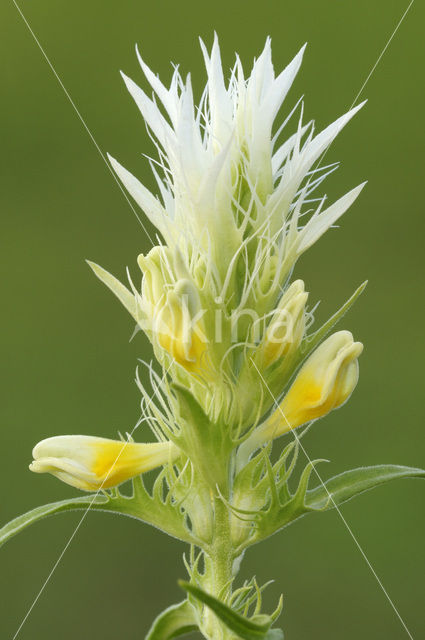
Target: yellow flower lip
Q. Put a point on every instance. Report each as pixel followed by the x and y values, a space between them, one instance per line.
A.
pixel 92 463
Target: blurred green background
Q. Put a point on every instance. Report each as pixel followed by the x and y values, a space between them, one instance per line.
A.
pixel 67 362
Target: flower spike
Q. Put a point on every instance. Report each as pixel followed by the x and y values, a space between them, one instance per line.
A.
pixel 236 206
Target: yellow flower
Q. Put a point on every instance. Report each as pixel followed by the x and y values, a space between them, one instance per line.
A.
pixel 325 382
pixel 91 463
pixel 287 326
pixel 177 333
pixel 168 308
pixel 172 307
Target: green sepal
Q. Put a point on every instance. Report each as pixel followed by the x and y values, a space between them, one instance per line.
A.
pixel 173 622
pixel 351 483
pixel 159 512
pixel 255 628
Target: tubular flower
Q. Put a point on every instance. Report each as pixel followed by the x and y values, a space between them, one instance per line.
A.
pixel 325 381
pixel 91 463
pixel 287 326
pixel 176 333
pixel 172 312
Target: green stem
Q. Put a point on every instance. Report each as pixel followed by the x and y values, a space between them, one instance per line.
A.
pixel 219 567
pixel 222 552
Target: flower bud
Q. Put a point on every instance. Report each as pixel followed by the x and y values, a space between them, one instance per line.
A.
pixel 287 326
pixel 91 463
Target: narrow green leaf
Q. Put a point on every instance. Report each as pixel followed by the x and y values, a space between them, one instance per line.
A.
pixel 125 296
pixel 349 484
pixel 243 627
pixel 316 337
pixel 142 507
pixel 173 622
pixel 21 522
pixel 334 492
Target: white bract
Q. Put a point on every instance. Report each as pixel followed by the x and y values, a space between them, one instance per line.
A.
pixel 224 175
pixel 235 212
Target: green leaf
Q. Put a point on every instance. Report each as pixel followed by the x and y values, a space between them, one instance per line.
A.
pixel 126 297
pixel 164 515
pixel 313 340
pixel 349 484
pixel 243 627
pixel 21 522
pixel 173 622
pixel 332 493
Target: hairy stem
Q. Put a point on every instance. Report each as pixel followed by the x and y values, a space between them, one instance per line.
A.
pixel 219 570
